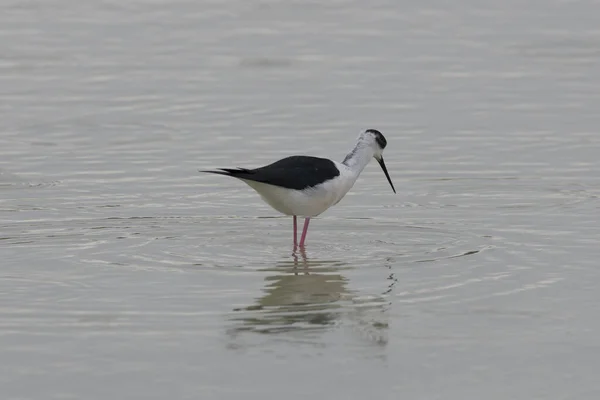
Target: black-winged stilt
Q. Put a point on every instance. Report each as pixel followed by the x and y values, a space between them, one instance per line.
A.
pixel 306 186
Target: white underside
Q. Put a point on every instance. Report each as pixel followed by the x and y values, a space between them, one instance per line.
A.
pixel 308 202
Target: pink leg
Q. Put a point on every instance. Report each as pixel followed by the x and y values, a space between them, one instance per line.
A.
pixel 295 232
pixel 306 221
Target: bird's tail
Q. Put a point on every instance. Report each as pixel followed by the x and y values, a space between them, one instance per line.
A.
pixel 235 172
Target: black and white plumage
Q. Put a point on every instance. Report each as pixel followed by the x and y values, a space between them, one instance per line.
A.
pixel 307 186
pixel 294 172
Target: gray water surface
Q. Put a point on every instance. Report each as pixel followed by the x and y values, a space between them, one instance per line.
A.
pixel 126 274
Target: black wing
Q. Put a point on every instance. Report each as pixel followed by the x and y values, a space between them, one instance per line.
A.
pixel 295 172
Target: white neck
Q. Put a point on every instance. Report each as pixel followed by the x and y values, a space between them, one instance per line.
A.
pixel 359 157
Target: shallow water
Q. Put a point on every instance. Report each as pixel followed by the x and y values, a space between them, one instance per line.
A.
pixel 127 274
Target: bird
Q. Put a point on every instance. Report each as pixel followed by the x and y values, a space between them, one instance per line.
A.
pixel 306 186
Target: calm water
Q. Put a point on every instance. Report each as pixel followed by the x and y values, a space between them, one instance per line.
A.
pixel 125 274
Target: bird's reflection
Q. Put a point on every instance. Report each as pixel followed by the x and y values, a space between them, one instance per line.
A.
pixel 305 295
pixel 301 294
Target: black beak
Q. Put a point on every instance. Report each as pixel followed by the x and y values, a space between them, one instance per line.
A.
pixel 380 161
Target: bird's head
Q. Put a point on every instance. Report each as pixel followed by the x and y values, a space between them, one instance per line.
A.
pixel 375 139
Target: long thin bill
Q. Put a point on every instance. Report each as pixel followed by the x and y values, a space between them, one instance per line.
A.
pixel 380 161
